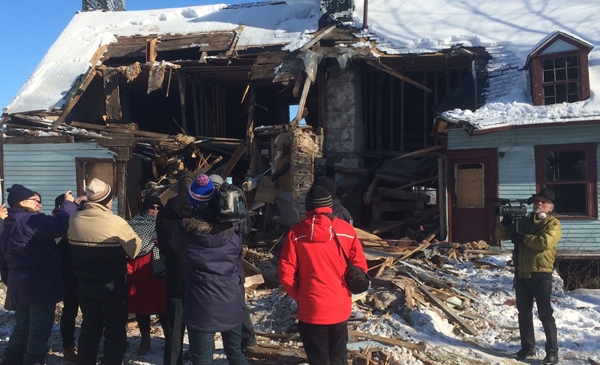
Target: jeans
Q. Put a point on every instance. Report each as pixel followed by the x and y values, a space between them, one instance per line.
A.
pixel 70 309
pixel 539 289
pixel 104 306
pixel 174 329
pixel 32 329
pixel 202 346
pixel 324 344
pixel 248 336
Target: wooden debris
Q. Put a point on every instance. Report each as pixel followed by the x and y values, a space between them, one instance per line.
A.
pixel 390 341
pixel 450 312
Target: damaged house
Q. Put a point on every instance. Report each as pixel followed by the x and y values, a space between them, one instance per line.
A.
pixel 422 120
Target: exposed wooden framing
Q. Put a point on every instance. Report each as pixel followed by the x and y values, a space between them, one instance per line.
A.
pixel 241 148
pixel 402 117
pixel 181 79
pixel 302 103
pixel 387 69
pixel 124 130
pixel 359 182
pixel 250 132
pixel 425 111
pixel 419 152
pixel 441 198
pixel 195 98
pixel 234 41
pixel 111 90
pixel 318 37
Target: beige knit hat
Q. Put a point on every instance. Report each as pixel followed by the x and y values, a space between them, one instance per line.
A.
pixel 97 191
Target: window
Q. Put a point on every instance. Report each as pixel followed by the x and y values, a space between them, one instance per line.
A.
pixel 570 171
pixel 559 70
pixel 561 80
pixel 89 168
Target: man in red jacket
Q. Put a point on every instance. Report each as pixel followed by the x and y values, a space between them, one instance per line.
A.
pixel 311 269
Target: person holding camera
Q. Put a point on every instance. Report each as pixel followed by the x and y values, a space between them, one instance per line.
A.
pixel 535 244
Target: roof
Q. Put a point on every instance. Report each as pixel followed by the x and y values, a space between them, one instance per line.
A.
pixel 512 27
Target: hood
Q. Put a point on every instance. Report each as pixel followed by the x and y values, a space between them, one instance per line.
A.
pixel 178 208
pixel 317 225
pixel 208 234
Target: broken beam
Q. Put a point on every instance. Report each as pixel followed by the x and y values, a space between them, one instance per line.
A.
pixel 387 69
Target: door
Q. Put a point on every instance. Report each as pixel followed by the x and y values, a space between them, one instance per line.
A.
pixel 472 186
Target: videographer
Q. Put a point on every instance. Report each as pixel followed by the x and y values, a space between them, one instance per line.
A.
pixel 535 244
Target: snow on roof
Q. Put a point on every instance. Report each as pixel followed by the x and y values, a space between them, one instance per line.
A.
pixel 398 27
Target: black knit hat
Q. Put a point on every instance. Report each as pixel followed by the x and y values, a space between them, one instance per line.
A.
pixel 151 200
pixel 328 184
pixel 317 197
pixel 17 193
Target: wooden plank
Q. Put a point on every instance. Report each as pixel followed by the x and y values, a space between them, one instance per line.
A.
pixel 403 195
pixel 368 197
pixel 241 148
pixel 318 37
pixel 124 130
pixel 380 66
pixel 450 312
pixel 359 182
pixel 397 206
pixel 181 79
pixel 389 341
pixel 419 152
pixel 302 103
pixel 111 92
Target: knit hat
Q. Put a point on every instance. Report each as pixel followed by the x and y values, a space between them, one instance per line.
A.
pixel 98 191
pixel 328 184
pixel 17 193
pixel 216 179
pixel 202 190
pixel 151 200
pixel 317 197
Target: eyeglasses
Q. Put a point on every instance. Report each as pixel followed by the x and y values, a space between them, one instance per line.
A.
pixel 157 207
pixel 35 200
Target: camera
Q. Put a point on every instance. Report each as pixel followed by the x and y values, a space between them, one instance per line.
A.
pixel 515 208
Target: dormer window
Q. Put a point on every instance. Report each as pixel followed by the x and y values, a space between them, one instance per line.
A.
pixel 558 69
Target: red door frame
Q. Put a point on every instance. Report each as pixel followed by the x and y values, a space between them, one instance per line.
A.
pixel 489 156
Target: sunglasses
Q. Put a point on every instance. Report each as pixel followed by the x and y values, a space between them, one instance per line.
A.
pixel 157 207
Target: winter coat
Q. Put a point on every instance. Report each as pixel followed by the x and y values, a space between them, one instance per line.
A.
pixel 341 212
pixel 101 242
pixel 176 209
pixel 29 252
pixel 538 251
pixel 311 267
pixel 212 301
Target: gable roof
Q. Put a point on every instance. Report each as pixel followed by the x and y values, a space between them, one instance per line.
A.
pixel 511 28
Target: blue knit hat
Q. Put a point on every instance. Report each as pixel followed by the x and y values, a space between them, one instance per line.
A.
pixel 17 193
pixel 202 190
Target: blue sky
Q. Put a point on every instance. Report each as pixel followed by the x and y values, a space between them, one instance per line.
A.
pixel 30 27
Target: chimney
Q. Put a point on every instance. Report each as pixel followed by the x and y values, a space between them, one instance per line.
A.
pixel 105 5
pixel 335 11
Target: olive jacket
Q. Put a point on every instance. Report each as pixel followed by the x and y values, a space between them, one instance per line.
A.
pixel 538 251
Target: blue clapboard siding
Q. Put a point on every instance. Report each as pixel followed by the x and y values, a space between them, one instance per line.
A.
pixel 516 171
pixel 48 168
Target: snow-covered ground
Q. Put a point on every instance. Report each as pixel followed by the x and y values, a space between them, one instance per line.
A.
pixel 577 318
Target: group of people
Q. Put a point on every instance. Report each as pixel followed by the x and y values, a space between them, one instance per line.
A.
pixel 115 266
pixel 89 258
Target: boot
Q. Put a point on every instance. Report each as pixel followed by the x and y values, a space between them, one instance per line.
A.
pixel 145 344
pixel 70 353
pixel 11 358
pixel 29 359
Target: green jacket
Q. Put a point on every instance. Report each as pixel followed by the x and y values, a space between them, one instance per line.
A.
pixel 538 251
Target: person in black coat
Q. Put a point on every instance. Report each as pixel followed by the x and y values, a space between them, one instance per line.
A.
pixel 168 218
pixel 338 209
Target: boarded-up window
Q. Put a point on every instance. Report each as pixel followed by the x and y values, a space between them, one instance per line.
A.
pixel 469 185
pixel 87 169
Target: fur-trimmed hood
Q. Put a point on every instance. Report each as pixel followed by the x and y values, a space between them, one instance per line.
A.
pixel 198 225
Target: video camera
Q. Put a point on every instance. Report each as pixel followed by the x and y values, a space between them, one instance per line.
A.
pixel 509 207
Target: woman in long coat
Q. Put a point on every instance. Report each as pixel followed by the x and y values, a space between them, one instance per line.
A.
pixel 147 293
pixel 31 264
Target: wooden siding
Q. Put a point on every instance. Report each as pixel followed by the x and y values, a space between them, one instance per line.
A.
pixel 516 172
pixel 48 168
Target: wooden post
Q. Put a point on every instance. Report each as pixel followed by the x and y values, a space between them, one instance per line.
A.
pixel 122 187
pixel 181 78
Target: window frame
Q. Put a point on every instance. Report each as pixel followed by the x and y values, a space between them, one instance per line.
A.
pixel 80 173
pixel 591 198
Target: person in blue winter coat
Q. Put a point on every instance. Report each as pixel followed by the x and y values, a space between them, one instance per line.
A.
pixel 212 301
pixel 29 260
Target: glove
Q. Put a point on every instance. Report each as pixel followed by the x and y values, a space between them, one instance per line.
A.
pixel 517 238
pixel 507 220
